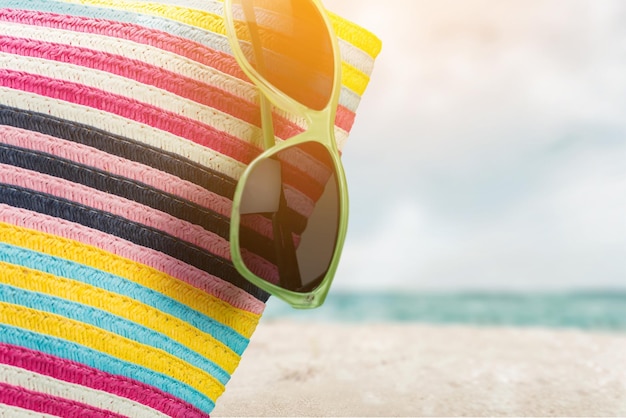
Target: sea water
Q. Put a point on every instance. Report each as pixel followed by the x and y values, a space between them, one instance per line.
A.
pixel 600 310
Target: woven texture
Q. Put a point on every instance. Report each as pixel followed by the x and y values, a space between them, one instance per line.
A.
pixel 124 126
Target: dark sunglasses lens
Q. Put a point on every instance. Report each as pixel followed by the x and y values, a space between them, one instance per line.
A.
pixel 289 45
pixel 289 217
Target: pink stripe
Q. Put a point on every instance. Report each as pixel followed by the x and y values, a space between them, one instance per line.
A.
pixel 128 209
pixel 148 114
pixel 92 157
pixel 48 404
pixel 116 205
pixel 171 266
pixel 180 46
pixel 78 373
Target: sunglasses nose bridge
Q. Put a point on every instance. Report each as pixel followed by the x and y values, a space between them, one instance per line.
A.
pixel 320 127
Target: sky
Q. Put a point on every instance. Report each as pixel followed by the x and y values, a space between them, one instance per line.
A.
pixel 489 150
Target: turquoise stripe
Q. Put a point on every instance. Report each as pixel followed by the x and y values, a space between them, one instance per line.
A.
pixel 117 284
pixel 102 361
pixel 210 39
pixel 109 322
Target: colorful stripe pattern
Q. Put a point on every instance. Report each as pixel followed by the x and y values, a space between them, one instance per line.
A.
pixel 124 126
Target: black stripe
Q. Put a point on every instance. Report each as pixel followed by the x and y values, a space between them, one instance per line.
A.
pixel 131 150
pixel 131 190
pixel 120 146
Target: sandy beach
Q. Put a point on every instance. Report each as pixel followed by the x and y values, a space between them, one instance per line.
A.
pixel 313 369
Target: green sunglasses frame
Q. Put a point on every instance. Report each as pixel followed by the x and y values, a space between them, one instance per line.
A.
pixel 320 129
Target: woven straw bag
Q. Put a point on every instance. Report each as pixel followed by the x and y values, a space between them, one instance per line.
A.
pixel 124 126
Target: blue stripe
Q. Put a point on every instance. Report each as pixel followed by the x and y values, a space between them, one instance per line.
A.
pixel 204 37
pixel 117 284
pixel 109 322
pixel 121 227
pixel 102 361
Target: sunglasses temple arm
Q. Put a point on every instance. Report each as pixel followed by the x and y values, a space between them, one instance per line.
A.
pixel 288 269
pixel 257 47
pixel 267 122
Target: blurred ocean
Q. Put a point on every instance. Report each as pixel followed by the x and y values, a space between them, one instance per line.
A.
pixel 602 310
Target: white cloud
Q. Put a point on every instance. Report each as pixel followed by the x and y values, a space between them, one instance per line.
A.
pixel 456 79
pixel 568 230
pixel 387 256
pixel 499 130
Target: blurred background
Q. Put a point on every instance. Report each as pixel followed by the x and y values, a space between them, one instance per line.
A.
pixel 487 164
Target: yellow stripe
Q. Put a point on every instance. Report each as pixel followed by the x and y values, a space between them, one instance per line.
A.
pixel 112 344
pixel 358 80
pixel 351 78
pixel 124 307
pixel 356 35
pixel 243 322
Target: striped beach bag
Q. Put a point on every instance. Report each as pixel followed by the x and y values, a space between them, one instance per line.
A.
pixel 124 126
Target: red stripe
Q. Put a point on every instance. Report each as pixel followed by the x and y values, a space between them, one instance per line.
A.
pixel 77 373
pixel 181 46
pixel 48 404
pixel 142 72
pixel 159 118
pixel 148 114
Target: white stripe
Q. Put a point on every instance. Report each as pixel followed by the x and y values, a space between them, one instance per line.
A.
pixel 134 90
pixel 133 130
pixel 157 57
pixel 118 125
pixel 146 53
pixel 356 57
pixel 136 51
pixel 149 94
pixel 96 398
pixel 15 412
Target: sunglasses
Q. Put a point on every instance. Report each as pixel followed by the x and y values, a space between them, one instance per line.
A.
pixel 290 208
